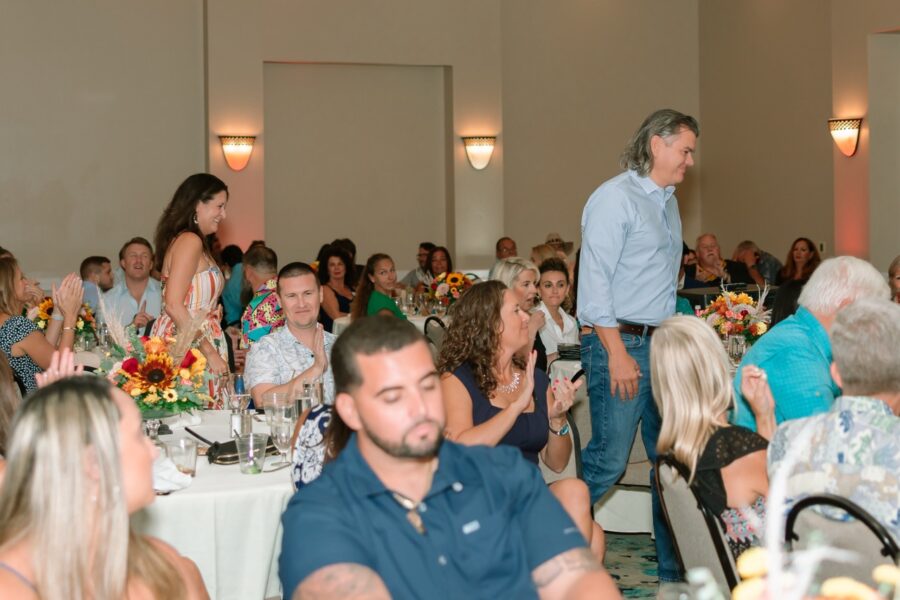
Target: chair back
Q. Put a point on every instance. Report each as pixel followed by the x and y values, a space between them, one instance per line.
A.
pixel 699 539
pixel 434 332
pixel 863 535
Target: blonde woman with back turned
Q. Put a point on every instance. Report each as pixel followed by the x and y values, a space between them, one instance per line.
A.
pixel 78 465
pixel 726 464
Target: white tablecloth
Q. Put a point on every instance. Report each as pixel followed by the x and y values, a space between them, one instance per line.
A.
pixel 342 323
pixel 226 522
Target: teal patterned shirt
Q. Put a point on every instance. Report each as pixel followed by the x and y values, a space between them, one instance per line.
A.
pixel 854 452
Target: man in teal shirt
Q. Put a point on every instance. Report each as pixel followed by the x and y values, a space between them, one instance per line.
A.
pixel 796 355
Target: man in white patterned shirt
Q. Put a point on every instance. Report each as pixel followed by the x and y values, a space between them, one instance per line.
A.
pixel 281 361
pixel 300 351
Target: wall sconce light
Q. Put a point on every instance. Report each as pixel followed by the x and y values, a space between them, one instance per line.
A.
pixel 846 134
pixel 237 150
pixel 479 150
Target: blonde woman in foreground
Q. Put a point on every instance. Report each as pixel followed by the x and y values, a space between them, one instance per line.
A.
pixel 78 464
pixel 726 464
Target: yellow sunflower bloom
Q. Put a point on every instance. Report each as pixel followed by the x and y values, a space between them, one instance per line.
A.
pixel 170 396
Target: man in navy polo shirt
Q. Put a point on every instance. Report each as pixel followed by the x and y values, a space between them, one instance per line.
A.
pixel 401 513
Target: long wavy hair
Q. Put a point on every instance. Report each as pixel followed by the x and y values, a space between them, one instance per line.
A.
pixel 360 304
pixel 473 336
pixel 789 270
pixel 178 216
pixel 9 304
pixel 665 123
pixel 691 385
pixel 47 498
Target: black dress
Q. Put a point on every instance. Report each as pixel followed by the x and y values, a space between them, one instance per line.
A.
pixel 343 306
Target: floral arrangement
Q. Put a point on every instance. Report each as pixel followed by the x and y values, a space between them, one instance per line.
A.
pixel 448 287
pixel 85 326
pixel 737 314
pixel 151 373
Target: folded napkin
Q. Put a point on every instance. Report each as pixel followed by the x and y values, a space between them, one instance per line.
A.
pixel 167 478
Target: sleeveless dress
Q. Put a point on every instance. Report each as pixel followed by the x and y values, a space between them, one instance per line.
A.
pixel 726 445
pixel 530 430
pixel 343 306
pixel 202 298
pixel 14 330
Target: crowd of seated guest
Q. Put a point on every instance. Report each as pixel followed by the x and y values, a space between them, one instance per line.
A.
pixel 711 270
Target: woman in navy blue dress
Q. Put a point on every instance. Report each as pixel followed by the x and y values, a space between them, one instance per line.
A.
pixel 493 397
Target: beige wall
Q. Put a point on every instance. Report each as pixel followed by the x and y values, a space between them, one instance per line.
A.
pixel 355 151
pixel 461 35
pixel 103 116
pixel 884 148
pixel 851 24
pixel 578 79
pixel 765 97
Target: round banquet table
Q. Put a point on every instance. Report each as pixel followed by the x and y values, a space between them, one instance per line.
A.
pixel 226 522
pixel 342 323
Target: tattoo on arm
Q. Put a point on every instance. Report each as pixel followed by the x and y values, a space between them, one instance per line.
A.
pixel 343 581
pixel 578 560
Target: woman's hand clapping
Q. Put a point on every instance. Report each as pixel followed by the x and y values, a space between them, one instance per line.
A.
pixel 68 296
pixel 561 396
pixel 524 399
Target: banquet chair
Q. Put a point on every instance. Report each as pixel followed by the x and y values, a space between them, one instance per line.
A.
pixel 863 534
pixel 434 332
pixel 699 539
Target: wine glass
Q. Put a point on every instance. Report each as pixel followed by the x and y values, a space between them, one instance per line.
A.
pixel 281 416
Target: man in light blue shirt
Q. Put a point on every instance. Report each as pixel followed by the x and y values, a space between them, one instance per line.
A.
pixel 137 300
pixel 630 258
pixel 796 354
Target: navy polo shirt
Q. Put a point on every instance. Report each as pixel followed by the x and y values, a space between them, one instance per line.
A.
pixel 489 520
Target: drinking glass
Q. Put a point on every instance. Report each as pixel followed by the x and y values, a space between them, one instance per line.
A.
pixel 736 346
pixel 282 429
pixel 252 452
pixel 232 392
pixel 273 399
pixel 183 453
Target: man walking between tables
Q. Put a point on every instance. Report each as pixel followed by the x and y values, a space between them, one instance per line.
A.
pixel 630 256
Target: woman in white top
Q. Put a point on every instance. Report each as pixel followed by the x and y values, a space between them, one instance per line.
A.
pixel 559 326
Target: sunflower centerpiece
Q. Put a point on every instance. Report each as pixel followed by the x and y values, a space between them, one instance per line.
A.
pixel 159 382
pixel 85 325
pixel 448 287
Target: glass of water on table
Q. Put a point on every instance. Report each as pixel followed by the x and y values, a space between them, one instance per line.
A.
pixel 280 416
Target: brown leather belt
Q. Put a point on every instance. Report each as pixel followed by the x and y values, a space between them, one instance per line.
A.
pixel 631 328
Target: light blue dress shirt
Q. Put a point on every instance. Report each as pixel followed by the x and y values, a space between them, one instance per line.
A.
pixel 630 253
pixel 796 356
pixel 120 302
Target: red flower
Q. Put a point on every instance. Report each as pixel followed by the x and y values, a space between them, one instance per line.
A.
pixel 130 365
pixel 189 359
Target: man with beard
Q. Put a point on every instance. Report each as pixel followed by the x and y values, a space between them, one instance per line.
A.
pixel 400 514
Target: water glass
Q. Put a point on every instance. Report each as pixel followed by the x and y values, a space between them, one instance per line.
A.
pixel 232 393
pixel 252 452
pixel 282 429
pixel 736 346
pixel 183 453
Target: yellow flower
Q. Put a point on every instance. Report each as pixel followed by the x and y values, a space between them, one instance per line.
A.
pixel 199 365
pixel 752 563
pixel 136 391
pixel 761 328
pixel 41 324
pixel 155 346
pixel 170 396
pixel 79 325
pixel 151 399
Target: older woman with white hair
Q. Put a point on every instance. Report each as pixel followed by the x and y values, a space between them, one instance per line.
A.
pixel 522 276
pixel 689 371
pixel 78 464
pixel 796 353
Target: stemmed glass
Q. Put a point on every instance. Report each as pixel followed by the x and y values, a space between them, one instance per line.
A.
pixel 281 416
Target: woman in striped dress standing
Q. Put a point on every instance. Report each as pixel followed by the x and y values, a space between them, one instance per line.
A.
pixel 191 280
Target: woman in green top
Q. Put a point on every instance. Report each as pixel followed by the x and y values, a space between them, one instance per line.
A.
pixel 373 294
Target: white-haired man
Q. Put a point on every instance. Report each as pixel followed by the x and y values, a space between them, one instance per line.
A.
pixel 854 450
pixel 796 355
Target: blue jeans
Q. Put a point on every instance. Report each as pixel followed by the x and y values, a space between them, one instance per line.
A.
pixel 614 423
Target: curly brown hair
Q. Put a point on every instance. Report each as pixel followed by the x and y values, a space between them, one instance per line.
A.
pixel 473 336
